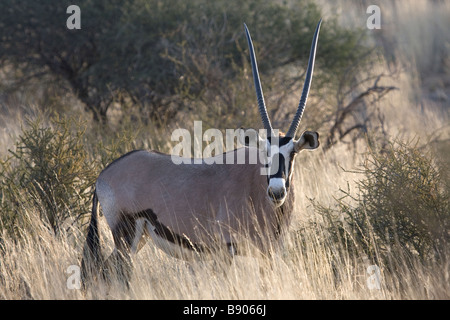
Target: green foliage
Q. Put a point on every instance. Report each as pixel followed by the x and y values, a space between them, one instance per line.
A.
pixel 211 58
pixel 49 172
pixel 402 207
pixel 155 54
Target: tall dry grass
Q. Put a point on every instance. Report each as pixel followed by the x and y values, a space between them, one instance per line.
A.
pixel 312 267
pixel 309 266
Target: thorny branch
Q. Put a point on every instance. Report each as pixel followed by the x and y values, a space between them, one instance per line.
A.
pixel 341 127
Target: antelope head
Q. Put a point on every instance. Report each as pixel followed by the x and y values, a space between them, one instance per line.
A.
pixel 280 150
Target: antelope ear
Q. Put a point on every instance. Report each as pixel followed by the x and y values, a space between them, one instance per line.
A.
pixel 251 138
pixel 309 140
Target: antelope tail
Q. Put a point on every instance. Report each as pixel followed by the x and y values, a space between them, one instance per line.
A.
pixel 92 261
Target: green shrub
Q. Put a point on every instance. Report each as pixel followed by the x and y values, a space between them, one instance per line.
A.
pixel 49 172
pixel 401 208
pixel 150 53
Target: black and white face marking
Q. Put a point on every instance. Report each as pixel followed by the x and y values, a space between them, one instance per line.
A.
pixel 281 154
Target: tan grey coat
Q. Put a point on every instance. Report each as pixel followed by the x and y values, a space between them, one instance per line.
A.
pixel 196 207
pixel 197 202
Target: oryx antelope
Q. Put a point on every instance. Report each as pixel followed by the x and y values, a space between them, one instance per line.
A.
pixel 187 207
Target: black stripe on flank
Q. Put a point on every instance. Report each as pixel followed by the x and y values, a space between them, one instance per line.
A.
pixel 167 234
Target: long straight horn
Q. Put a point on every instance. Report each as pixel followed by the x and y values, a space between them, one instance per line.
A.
pixel 259 92
pixel 309 72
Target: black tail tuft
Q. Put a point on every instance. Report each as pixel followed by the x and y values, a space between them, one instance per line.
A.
pixel 92 260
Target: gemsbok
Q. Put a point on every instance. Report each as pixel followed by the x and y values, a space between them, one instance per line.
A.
pixel 190 209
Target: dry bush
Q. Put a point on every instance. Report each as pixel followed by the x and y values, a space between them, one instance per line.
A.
pixel 49 169
pixel 398 218
pixel 400 212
